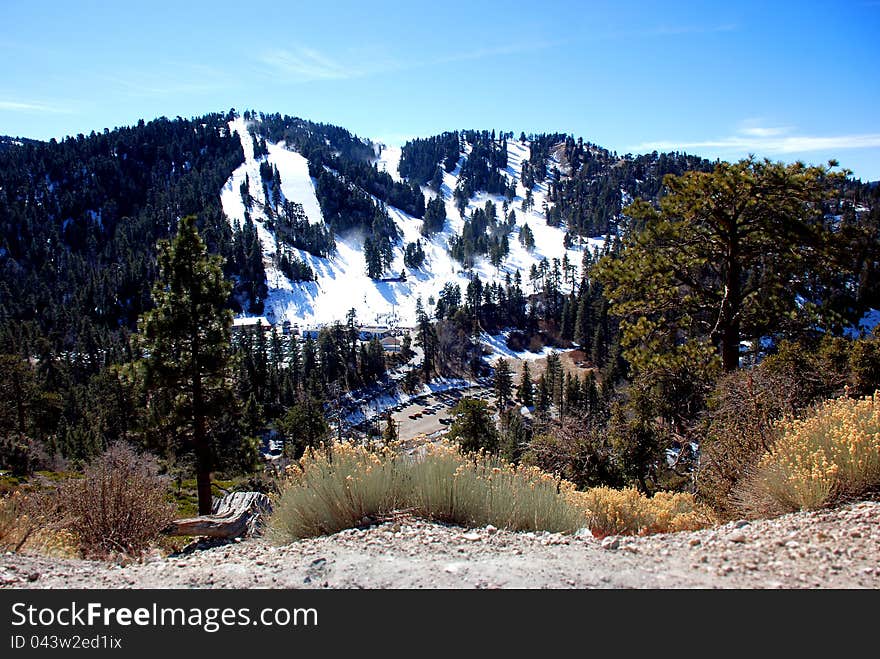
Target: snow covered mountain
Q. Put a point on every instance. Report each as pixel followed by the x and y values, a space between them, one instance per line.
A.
pixel 342 282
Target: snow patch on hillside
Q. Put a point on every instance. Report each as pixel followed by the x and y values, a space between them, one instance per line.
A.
pixel 388 160
pixel 342 283
pixel 497 345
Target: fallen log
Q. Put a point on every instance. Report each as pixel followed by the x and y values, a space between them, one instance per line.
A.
pixel 236 515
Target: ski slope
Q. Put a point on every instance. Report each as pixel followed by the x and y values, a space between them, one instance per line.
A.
pixel 342 283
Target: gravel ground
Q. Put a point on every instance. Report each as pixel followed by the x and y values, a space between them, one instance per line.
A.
pixel 837 548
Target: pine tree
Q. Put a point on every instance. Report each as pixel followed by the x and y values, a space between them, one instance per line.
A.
pixel 730 253
pixel 524 393
pixel 426 339
pixel 392 430
pixel 473 427
pixel 503 383
pixel 185 341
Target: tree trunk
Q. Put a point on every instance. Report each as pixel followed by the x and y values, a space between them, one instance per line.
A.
pixel 731 306
pixel 201 445
pixel 235 515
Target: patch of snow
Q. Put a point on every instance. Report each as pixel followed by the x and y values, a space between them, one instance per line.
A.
pixel 497 344
pixel 388 160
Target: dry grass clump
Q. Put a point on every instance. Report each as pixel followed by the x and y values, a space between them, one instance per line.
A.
pixel 480 489
pixel 629 512
pixel 831 454
pixel 324 495
pixel 361 485
pixel 119 506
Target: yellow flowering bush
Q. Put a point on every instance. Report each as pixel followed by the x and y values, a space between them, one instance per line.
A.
pixel 833 453
pixel 629 512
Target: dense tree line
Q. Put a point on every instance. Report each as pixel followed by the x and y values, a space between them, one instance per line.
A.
pixel 484 166
pixel 80 217
pixel 420 158
pixel 482 234
pixel 336 149
pixel 292 227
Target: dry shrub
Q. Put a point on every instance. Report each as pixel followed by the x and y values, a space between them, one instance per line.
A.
pixel 20 519
pixel 741 428
pixel 323 496
pixel 120 504
pixel 578 450
pixel 629 512
pixel 833 453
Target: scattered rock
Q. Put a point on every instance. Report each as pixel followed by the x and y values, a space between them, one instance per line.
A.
pixel 610 542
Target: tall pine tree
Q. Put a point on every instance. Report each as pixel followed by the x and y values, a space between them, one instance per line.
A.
pixel 185 343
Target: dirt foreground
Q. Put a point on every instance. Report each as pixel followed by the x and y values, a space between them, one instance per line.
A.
pixel 837 548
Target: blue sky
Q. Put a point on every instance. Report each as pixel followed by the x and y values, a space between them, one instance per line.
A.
pixel 784 80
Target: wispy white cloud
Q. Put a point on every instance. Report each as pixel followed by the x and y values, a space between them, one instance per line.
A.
pixel 306 65
pixel 26 106
pixel 767 140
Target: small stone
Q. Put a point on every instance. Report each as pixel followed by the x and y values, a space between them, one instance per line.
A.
pixel 583 534
pixel 694 542
pixel 740 523
pixel 491 529
pixel 792 544
pixel 472 537
pixel 610 543
pixel 737 537
pixel 855 534
pixel 33 576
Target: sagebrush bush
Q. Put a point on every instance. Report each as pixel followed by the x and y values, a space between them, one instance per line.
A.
pixel 481 489
pixel 119 505
pixel 324 496
pixel 833 453
pixel 629 512
pixel 361 485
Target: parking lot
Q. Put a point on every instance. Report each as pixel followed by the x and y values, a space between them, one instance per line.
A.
pixel 430 413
